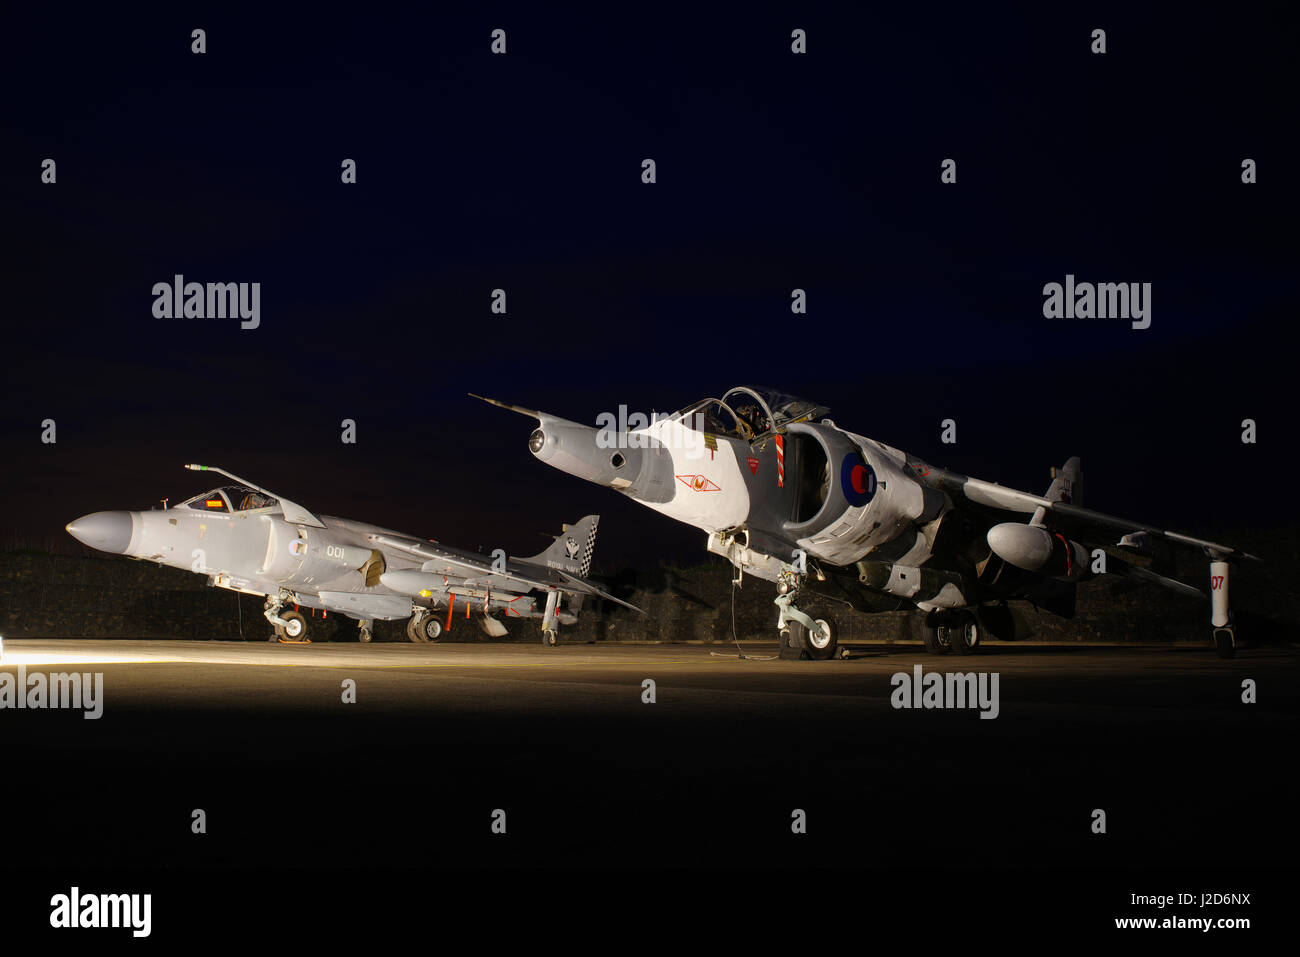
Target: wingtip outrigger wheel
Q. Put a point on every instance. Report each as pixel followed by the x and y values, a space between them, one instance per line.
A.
pixel 551 619
pixel 1221 616
pixel 1225 637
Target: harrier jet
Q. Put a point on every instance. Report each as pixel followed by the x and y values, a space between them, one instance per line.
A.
pixel 831 516
pixel 248 540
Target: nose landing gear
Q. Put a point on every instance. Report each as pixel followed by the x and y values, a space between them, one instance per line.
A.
pixel 291 627
pixel 803 636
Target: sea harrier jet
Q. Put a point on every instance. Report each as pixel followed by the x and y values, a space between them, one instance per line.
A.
pixel 788 496
pixel 247 539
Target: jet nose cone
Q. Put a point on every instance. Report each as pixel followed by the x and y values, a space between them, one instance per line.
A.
pixel 106 531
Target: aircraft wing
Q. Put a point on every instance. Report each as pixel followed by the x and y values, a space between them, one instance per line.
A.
pixel 446 561
pixel 1079 522
pixel 479 572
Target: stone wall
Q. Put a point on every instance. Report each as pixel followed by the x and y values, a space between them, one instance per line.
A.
pixel 98 596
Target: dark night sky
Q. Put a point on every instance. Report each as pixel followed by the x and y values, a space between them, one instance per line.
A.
pixel 523 172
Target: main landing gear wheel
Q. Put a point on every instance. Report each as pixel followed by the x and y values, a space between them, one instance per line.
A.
pixel 294 629
pixel 1225 643
pixel 425 628
pixel 965 633
pixel 550 638
pixel 936 637
pixel 955 631
pixel 365 635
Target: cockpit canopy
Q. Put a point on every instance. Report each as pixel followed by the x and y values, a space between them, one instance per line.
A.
pixel 231 498
pixel 749 412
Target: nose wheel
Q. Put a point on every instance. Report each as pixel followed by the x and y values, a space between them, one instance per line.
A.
pixel 804 635
pixel 290 627
pixel 294 629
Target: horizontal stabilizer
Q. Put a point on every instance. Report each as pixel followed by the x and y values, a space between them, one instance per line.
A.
pixel 587 588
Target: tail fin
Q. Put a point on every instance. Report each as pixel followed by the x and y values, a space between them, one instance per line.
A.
pixel 573 548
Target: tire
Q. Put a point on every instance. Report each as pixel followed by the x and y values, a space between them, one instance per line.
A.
pixel 935 638
pixel 295 628
pixel 414 631
pixel 1225 645
pixel 550 638
pixel 792 643
pixel 365 636
pixel 431 628
pixel 821 648
pixel 965 633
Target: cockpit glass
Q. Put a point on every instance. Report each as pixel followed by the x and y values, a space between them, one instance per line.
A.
pixel 714 417
pixel 719 419
pixel 753 415
pixel 765 409
pixel 241 499
pixel 246 499
pixel 209 502
pixel 748 412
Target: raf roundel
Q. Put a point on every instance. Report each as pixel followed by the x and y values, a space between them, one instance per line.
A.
pixel 858 480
